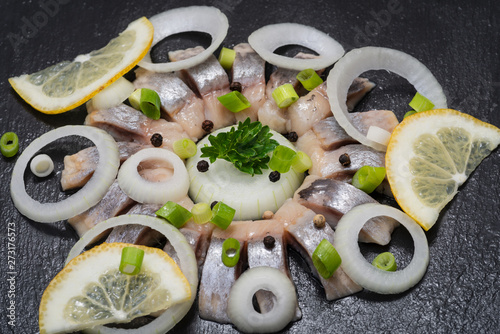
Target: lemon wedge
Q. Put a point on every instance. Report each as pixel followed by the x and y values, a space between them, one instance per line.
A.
pixel 91 290
pixel 68 84
pixel 430 154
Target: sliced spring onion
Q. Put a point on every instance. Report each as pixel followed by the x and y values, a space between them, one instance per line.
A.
pixel 113 95
pixel 378 135
pixel 421 103
pixel 301 163
pixel 144 191
pixel 201 213
pixel 187 262
pixel 184 148
pixel 361 271
pixel 326 259
pixel 285 95
pixel 230 252
pixel 9 144
pixel 369 58
pixel 150 103
pixel 42 165
pixel 131 261
pixel 309 79
pixel 226 58
pixel 240 308
pixel 176 214
pixel 409 113
pixel 367 178
pixel 268 38
pixel 234 101
pixel 204 19
pixel 104 175
pixel 282 159
pixel 385 261
pixel 222 215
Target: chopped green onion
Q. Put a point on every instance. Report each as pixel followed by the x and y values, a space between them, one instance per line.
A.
pixel 226 58
pixel 367 178
pixel 9 144
pixel 385 261
pixel 301 163
pixel 175 214
pixel 285 95
pixel 282 159
pixel 146 100
pixel 131 261
pixel 421 103
pixel 234 101
pixel 409 113
pixel 309 79
pixel 326 259
pixel 230 252
pixel 222 215
pixel 184 148
pixel 201 213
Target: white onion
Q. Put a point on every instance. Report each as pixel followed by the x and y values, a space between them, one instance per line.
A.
pixel 240 307
pixel 85 198
pixel 144 191
pixel 195 18
pixel 364 59
pixel 113 95
pixel 363 272
pixel 268 38
pixel 42 165
pixel 378 135
pixel 187 263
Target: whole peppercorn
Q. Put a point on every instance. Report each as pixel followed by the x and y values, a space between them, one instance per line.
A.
pixel 274 176
pixel 213 204
pixel 156 140
pixel 291 136
pixel 319 221
pixel 235 86
pixel 207 125
pixel 269 242
pixel 345 160
pixel 267 215
pixel 202 166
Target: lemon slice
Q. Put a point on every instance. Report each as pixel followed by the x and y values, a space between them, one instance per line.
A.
pixel 91 290
pixel 430 154
pixel 68 84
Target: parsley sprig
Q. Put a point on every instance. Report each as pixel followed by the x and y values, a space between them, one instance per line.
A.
pixel 247 147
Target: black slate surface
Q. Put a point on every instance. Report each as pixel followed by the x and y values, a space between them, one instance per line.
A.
pixel 457 40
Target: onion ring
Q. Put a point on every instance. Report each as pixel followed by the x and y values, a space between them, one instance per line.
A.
pixel 187 263
pixel 143 191
pixel 363 272
pixel 195 18
pixel 85 198
pixel 368 58
pixel 240 308
pixel 268 38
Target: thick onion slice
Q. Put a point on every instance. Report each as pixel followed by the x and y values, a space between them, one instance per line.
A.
pixel 268 38
pixel 144 191
pixel 113 95
pixel 205 19
pixel 369 58
pixel 187 263
pixel 85 198
pixel 240 308
pixel 364 273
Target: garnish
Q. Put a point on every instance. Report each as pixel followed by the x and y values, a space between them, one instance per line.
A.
pixel 9 144
pixel 131 261
pixel 234 101
pixel 385 261
pixel 246 147
pixel 326 259
pixel 309 79
pixel 282 159
pixel 230 252
pixel 175 214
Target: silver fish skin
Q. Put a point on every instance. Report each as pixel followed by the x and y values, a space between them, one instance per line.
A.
pixel 208 80
pixel 124 123
pixel 358 89
pixel 249 70
pixel 333 199
pixel 79 167
pixel 304 237
pixel 178 102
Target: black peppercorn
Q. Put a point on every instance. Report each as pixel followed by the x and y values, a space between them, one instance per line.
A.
pixel 213 204
pixel 202 166
pixel 235 86
pixel 269 242
pixel 274 176
pixel 291 136
pixel 345 160
pixel 156 140
pixel 207 125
